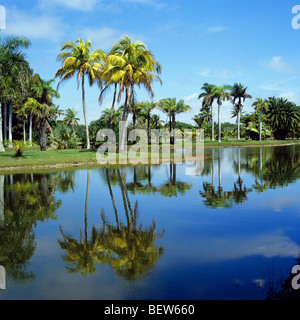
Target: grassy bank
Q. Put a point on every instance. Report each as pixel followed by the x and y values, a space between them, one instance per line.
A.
pixel 35 159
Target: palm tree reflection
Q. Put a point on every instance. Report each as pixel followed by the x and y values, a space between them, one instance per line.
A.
pixel 127 247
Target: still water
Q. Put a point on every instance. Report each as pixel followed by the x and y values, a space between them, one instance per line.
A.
pixel 228 228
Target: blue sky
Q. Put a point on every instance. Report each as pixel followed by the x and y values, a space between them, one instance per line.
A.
pixel 215 41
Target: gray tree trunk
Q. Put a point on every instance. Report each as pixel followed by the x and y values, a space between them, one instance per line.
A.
pixel 260 126
pixel 5 121
pixel 30 129
pixel 219 121
pixel 88 146
pixel 24 131
pixel 1 136
pixel 239 122
pixel 10 112
pixel 212 125
pixel 2 200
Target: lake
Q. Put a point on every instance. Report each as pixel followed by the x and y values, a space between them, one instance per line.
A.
pixel 227 227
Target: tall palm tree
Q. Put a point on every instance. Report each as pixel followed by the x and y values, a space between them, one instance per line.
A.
pixel 171 107
pixel 208 102
pixel 262 106
pixel 22 112
pixel 239 95
pixel 148 107
pixel 45 109
pixel 78 58
pixel 31 106
pixel 219 93
pixel 14 74
pixel 70 117
pixel 132 64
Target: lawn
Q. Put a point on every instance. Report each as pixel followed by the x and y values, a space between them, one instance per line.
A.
pixel 35 159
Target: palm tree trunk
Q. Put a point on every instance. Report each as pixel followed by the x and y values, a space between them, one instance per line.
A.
pixel 212 125
pixel 88 146
pixel 112 106
pixel 148 133
pixel 2 200
pixel 219 121
pixel 173 125
pixel 10 125
pixel 260 126
pixel 1 136
pixel 239 120
pixel 5 121
pixel 30 129
pixel 24 131
pixel 123 131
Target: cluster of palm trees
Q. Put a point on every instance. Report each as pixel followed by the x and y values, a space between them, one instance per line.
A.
pixel 128 64
pixel 237 94
pixel 24 94
pixel 283 116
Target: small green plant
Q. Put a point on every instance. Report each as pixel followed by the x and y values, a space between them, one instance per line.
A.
pixel 19 146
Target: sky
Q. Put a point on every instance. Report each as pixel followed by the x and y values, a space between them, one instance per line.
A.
pixel 196 41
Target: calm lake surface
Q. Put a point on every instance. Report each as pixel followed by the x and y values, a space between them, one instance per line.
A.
pixel 228 228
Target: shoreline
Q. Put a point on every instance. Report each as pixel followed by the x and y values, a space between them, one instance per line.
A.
pixel 92 165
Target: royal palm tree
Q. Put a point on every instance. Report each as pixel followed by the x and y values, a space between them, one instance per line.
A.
pixel 262 106
pixel 70 118
pixel 78 58
pixel 239 95
pixel 15 73
pixel 208 102
pixel 219 93
pixel 31 106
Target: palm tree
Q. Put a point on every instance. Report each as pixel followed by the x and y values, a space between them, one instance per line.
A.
pixel 283 117
pixel 70 118
pixel 171 107
pixel 79 58
pixel 208 102
pixel 31 106
pixel 14 74
pixel 45 109
pixel 148 107
pixel 261 105
pixel 132 64
pixel 219 93
pixel 22 112
pixel 239 95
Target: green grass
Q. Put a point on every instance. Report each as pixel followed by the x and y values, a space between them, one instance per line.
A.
pixel 35 159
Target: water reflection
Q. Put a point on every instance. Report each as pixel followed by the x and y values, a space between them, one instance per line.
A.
pixel 117 239
pixel 127 247
pixel 27 199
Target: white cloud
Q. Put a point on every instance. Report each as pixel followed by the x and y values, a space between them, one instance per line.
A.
pixel 222 74
pixel 34 26
pixel 82 5
pixel 279 65
pixel 102 37
pixel 215 29
pixel 153 3
pixel 291 96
